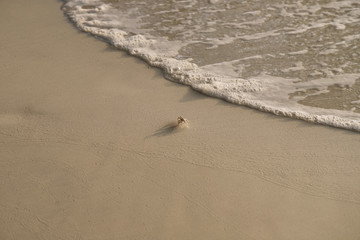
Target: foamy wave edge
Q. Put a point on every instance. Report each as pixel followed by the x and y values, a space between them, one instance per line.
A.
pixel 236 91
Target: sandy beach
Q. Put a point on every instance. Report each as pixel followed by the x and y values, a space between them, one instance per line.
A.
pixel 89 150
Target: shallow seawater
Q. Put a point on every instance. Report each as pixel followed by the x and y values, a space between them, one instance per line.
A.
pixel 299 59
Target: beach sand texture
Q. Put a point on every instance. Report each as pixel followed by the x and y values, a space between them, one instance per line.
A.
pixel 88 150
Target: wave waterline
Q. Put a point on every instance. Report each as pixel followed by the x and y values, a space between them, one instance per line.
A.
pixel 288 79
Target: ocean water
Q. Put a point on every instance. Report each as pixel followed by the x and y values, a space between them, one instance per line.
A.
pixel 296 58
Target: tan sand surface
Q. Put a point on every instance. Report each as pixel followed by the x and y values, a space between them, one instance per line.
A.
pixel 88 150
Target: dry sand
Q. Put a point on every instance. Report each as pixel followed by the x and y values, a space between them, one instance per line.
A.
pixel 88 151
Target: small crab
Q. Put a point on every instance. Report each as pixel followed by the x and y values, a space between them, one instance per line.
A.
pixel 181 121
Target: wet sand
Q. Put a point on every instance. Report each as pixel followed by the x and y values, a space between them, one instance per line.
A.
pixel 88 150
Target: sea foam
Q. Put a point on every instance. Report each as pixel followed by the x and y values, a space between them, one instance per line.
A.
pixel 216 61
